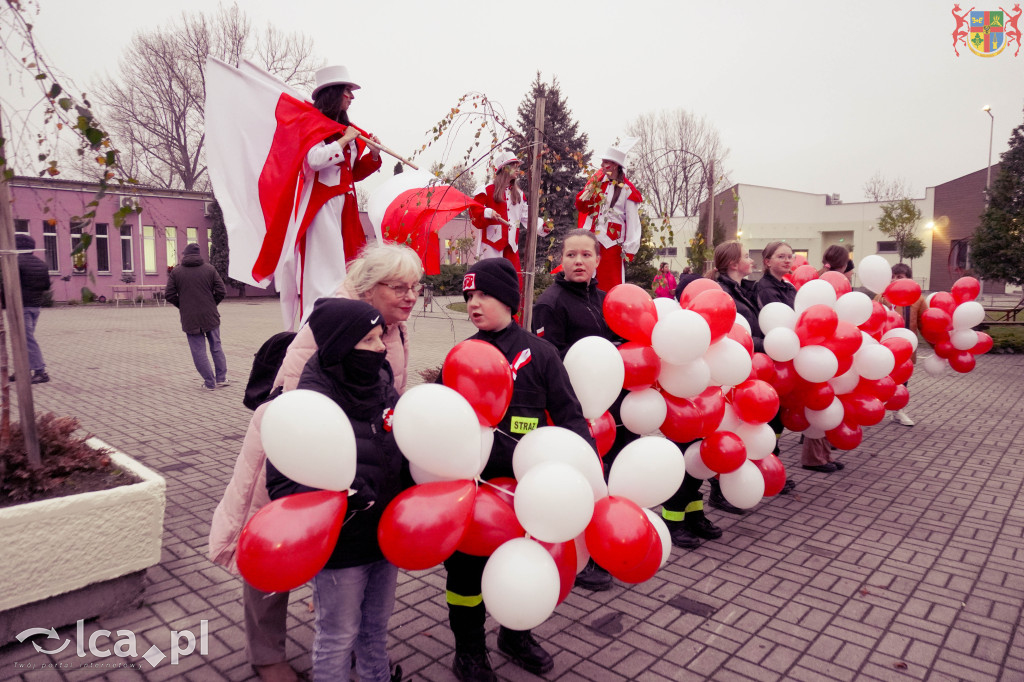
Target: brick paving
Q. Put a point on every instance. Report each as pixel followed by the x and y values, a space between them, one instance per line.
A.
pixel 905 566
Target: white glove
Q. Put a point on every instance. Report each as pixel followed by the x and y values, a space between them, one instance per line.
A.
pixel 490 213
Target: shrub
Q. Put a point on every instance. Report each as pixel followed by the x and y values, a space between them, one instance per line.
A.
pixel 87 295
pixel 449 282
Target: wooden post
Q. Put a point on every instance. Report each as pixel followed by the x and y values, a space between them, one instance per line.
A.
pixel 530 263
pixel 16 318
pixel 710 263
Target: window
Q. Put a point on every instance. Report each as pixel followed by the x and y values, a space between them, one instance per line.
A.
pixel 102 248
pixel 191 235
pixel 959 256
pixel 50 245
pixel 149 249
pixel 20 226
pixel 127 260
pixel 172 246
pixel 668 251
pixel 886 247
pixel 78 260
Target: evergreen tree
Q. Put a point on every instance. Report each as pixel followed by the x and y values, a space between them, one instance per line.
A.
pixel 219 247
pixel 565 156
pixel 997 248
pixel 641 270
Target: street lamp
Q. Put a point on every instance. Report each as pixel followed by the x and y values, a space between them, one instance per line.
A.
pixel 988 171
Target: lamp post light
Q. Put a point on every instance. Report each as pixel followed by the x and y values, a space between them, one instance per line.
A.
pixel 988 171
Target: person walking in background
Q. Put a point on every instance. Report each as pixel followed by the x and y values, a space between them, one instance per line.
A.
pixel 911 315
pixel 664 282
pixel 35 281
pixel 195 289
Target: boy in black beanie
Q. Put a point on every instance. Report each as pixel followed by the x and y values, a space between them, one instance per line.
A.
pixel 540 387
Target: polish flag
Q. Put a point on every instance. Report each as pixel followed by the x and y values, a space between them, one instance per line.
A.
pixel 410 208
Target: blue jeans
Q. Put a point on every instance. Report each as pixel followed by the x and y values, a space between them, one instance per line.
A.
pixel 35 354
pixel 197 344
pixel 353 606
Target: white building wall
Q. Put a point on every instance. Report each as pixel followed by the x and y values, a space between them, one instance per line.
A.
pixel 678 235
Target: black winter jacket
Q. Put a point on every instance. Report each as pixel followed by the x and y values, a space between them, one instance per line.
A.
pixel 772 290
pixel 380 467
pixel 746 305
pixel 569 311
pixel 195 289
pixel 32 271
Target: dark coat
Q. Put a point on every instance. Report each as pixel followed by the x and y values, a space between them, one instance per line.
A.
pixel 746 305
pixel 568 311
pixel 683 281
pixel 541 388
pixel 195 289
pixel 772 290
pixel 32 271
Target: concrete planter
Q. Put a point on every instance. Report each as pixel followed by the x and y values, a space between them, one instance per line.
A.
pixel 79 546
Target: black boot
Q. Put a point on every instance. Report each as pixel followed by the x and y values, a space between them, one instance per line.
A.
pixel 594 578
pixel 717 500
pixel 699 525
pixel 473 666
pixel 682 536
pixel 523 649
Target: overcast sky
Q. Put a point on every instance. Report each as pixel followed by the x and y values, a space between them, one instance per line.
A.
pixel 807 96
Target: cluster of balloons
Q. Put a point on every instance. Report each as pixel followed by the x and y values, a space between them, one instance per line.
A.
pixel 947 325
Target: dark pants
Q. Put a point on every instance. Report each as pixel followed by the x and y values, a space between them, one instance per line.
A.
pixel 266 625
pixel 466 613
pixel 197 344
pixel 35 354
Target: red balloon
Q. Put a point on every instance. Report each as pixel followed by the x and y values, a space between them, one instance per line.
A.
pixel 697 286
pixel 943 301
pixel 711 403
pixel 683 422
pixel 874 324
pixel 492 524
pixel 838 281
pixel 861 409
pixel 764 368
pixel 618 535
pixel 935 325
pixel 794 419
pixel 901 349
pixel 903 292
pixel 718 309
pixel 816 325
pixel 965 289
pixel 642 365
pixel 901 373
pixel 945 349
pixel 723 452
pixel 630 313
pixel 963 361
pixel 740 335
pixel 845 341
pixel 648 565
pixel 900 398
pixel 845 363
pixel 564 554
pixel 290 540
pixel 505 486
pixel 798 260
pixel 893 320
pixel 881 389
pixel 482 375
pixel 603 431
pixel 846 436
pixel 785 377
pixel 425 524
pixel 803 274
pixel 755 401
pixel 818 396
pixel 774 474
pixel 984 344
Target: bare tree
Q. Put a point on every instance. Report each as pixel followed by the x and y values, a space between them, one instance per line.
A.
pixel 881 188
pixel 671 179
pixel 155 102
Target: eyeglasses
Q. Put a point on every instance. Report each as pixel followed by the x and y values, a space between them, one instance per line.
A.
pixel 403 289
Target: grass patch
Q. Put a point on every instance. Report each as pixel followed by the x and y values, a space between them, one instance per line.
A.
pixel 1008 339
pixel 458 306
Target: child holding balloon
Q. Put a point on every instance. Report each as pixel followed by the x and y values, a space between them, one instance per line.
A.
pixel 541 389
pixel 911 315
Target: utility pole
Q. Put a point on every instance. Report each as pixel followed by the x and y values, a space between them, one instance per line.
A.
pixel 710 236
pixel 530 263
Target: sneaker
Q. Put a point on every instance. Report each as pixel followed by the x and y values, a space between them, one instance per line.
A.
pixel 717 500
pixel 900 417
pixel 594 578
pixel 682 537
pixel 787 487
pixel 473 667
pixel 208 388
pixel 222 384
pixel 523 649
pixel 823 468
pixel 699 525
pixel 839 465
pixel 40 377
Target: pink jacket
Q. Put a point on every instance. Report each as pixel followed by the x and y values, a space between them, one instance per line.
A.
pixel 246 493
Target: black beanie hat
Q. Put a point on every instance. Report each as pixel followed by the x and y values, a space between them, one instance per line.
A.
pixel 338 324
pixel 23 242
pixel 190 249
pixel 495 277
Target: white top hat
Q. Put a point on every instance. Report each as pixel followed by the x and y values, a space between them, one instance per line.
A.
pixel 503 159
pixel 333 75
pixel 618 153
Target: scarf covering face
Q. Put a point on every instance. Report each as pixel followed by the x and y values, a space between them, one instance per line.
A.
pixel 338 324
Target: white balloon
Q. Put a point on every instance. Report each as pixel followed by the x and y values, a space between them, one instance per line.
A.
pixel 968 314
pixel 742 321
pixel 695 465
pixel 582 553
pixel 854 307
pixel 663 535
pixel 845 383
pixel 681 337
pixel 420 475
pixel 964 339
pixel 643 411
pixel 729 362
pixel 935 366
pixel 744 487
pixel 815 364
pixel 873 362
pixel 554 502
pixel 781 344
pixel 486 443
pixel 648 471
pixel 867 340
pixel 520 584
pixel 875 273
pixel 310 440
pixel 759 439
pixel 902 333
pixel 596 371
pixel 776 314
pixel 685 381
pixel 665 306
pixel 553 443
pixel 827 419
pixel 438 430
pixel 815 292
pixel 730 420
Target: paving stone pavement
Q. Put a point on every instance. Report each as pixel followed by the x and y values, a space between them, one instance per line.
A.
pixel 905 566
